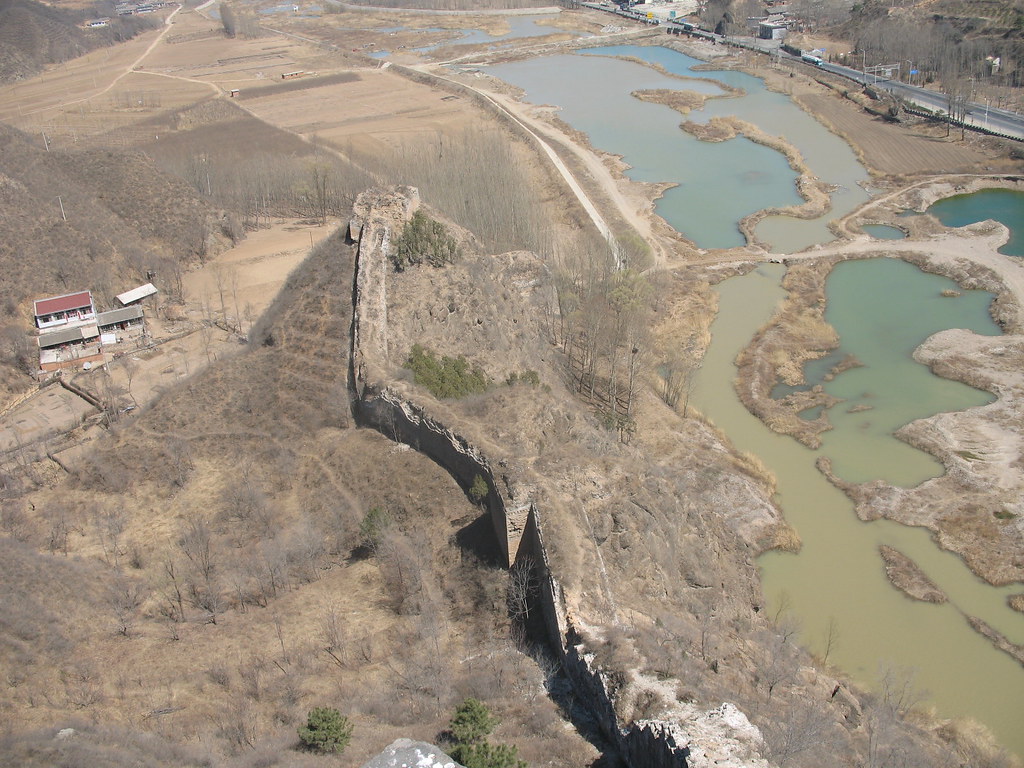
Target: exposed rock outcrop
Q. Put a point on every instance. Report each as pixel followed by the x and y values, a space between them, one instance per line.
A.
pixel 404 753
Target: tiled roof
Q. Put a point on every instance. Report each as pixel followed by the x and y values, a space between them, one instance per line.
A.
pixel 103 319
pixel 63 303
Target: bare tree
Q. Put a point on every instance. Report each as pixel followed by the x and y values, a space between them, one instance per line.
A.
pixel 125 598
pixel 521 590
pixel 173 591
pixel 831 638
pixel 110 525
pixel 806 728
pixel 130 369
pixel 15 521
pixel 233 282
pixel 780 665
pixel 221 278
pixel 203 586
pixel 59 528
pixel 179 454
pixel 335 635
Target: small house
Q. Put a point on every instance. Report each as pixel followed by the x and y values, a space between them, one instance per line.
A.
pixel 70 347
pixel 770 30
pixel 123 319
pixel 67 310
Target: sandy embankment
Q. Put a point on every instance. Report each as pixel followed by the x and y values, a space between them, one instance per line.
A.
pixel 904 574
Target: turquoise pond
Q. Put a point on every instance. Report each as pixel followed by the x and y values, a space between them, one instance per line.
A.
pixel 1004 205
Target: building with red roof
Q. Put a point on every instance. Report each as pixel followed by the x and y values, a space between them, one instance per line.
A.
pixel 66 310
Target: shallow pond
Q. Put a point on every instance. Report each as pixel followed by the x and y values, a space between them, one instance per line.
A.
pixel 884 232
pixel 883 309
pixel 519 27
pixel 1003 205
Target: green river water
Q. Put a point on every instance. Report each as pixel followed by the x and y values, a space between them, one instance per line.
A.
pixel 882 310
pixel 838 574
pixel 1004 205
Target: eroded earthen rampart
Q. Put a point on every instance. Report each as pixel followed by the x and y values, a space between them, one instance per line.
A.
pixel 510 503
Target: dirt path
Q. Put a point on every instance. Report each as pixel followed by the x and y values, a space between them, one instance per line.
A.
pixel 126 71
pixel 543 133
pixel 609 185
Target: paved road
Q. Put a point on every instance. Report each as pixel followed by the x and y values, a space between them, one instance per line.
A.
pixel 979 115
pixel 982 116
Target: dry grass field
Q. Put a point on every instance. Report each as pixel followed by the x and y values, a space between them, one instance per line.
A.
pixel 890 149
pixel 372 113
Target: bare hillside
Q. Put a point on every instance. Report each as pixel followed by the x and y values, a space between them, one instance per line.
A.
pixel 33 35
pixel 97 220
pixel 228 523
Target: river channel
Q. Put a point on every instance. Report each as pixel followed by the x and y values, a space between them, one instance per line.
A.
pixel 717 183
pixel 838 577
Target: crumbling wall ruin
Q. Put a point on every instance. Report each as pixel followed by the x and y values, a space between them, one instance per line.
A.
pixel 510 502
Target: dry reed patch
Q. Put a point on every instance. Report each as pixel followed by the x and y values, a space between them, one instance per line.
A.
pixel 904 574
pixel 778 352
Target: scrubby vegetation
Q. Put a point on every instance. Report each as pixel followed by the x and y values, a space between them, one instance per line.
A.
pixel 326 730
pixel 219 532
pixel 424 240
pixel 445 377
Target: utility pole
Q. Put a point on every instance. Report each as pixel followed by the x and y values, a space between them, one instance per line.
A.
pixel 61 204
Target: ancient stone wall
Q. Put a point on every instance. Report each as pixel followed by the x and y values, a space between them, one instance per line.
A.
pixel 515 516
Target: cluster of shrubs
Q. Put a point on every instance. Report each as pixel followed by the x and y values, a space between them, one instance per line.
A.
pixel 328 731
pixel 446 376
pixel 530 377
pixel 424 240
